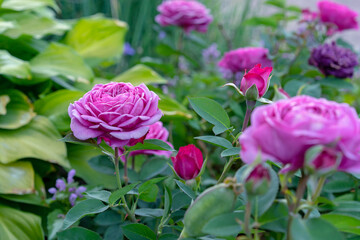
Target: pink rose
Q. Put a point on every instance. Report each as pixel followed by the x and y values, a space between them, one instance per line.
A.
pixel 258 76
pixel 308 16
pixel 189 15
pixel 245 58
pixel 115 112
pixel 339 15
pixel 283 131
pixel 188 162
pixel 156 131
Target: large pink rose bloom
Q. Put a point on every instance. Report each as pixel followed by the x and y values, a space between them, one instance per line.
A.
pixel 189 15
pixel 115 112
pixel 156 131
pixel 245 58
pixel 283 131
pixel 339 15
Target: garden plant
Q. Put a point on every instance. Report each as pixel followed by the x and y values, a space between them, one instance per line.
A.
pixel 114 130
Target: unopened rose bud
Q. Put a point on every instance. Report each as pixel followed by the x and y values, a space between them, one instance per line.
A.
pixel 323 161
pixel 255 83
pixel 257 181
pixel 188 162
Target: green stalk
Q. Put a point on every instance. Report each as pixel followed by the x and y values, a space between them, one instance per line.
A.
pixel 316 194
pixel 250 105
pixel 226 169
pixel 247 217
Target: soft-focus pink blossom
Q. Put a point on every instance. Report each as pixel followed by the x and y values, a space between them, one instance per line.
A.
pixel 115 112
pixel 187 14
pixel 337 14
pixel 243 59
pixel 283 131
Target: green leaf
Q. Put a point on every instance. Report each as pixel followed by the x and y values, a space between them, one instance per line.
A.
pixel 19 110
pixel 78 233
pixel 276 3
pixel 32 24
pixel 55 107
pixel 83 208
pixel 186 189
pixel 4 100
pixel 313 229
pixel 148 191
pixel 101 195
pixel 336 83
pixel 212 112
pixel 149 212
pixel 115 196
pixel 113 232
pixel 16 178
pixel 153 167
pixel 265 21
pixel 171 108
pixel 151 144
pixel 12 66
pixel 138 231
pixel 70 138
pixel 60 60
pixel 97 39
pixel 38 139
pixel 16 224
pixel 224 225
pixel 109 217
pixel 54 223
pixel 21 5
pixel 343 223
pixel 167 202
pixel 79 156
pixel 234 151
pixel 139 74
pixel 339 182
pixel 218 141
pixel 102 164
pixel 263 202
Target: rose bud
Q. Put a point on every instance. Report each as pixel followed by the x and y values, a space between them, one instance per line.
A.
pixel 188 162
pixel 255 83
pixel 280 94
pixel 257 181
pixel 322 160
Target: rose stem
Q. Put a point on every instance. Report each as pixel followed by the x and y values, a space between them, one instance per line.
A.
pixel 294 206
pixel 118 181
pixel 133 162
pixel 226 169
pixel 126 178
pixel 247 219
pixel 316 194
pixel 250 104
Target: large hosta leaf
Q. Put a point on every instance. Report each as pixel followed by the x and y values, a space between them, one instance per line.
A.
pixel 16 225
pixel 18 111
pixel 139 74
pixel 58 59
pixel 14 67
pixel 97 39
pixel 20 5
pixel 16 178
pixel 33 24
pixel 38 139
pixel 55 107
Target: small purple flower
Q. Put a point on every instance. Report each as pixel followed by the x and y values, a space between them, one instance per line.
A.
pixel 70 177
pixel 226 73
pixel 72 199
pixel 128 50
pixel 60 184
pixel 52 190
pixel 162 35
pixel 334 60
pixel 211 54
pixel 72 189
pixel 79 191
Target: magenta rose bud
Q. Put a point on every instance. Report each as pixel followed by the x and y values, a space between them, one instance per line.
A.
pixel 156 131
pixel 324 161
pixel 243 59
pixel 256 76
pixel 187 14
pixel 284 130
pixel 115 112
pixel 188 162
pixel 338 15
pixel 257 181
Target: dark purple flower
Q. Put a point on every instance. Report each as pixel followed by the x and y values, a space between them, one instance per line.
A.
pixel 334 60
pixel 189 15
pixel 60 184
pixel 70 177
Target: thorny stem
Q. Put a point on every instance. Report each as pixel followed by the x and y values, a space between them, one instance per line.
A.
pixel 316 194
pixel 118 181
pixel 249 108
